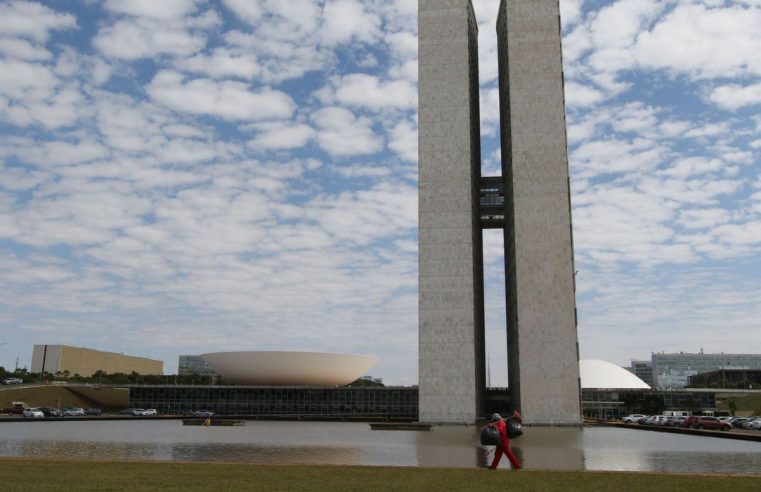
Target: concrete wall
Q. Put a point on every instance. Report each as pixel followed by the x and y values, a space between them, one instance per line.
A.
pixel 86 362
pixel 451 374
pixel 542 339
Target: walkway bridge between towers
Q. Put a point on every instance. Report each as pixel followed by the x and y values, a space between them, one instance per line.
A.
pixel 492 202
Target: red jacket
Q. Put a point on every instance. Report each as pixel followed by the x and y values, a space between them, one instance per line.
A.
pixel 502 428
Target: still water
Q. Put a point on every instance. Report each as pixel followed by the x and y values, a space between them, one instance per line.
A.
pixel 266 442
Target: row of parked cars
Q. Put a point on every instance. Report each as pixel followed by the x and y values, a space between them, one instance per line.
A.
pixel 695 421
pixel 40 412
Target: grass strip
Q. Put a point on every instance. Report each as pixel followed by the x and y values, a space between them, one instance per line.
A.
pixel 20 474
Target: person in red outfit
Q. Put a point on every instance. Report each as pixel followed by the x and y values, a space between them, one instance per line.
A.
pixel 504 442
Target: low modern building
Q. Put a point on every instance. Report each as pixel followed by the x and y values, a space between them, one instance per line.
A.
pixel 68 360
pixel 674 370
pixel 291 402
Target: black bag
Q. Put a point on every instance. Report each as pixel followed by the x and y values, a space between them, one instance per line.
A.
pixel 489 436
pixel 514 428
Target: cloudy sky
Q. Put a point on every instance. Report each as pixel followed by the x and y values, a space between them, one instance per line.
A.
pixel 186 176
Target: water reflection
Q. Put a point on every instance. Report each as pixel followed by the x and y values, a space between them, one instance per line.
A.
pixel 356 444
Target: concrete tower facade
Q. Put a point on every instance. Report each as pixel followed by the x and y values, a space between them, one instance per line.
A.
pixel 451 326
pixel 530 201
pixel 543 357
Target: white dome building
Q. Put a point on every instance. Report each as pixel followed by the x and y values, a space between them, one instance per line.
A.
pixel 600 374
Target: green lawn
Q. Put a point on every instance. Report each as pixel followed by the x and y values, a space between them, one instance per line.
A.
pixel 64 475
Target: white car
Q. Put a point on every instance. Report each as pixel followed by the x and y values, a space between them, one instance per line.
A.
pixel 13 381
pixel 755 425
pixel 74 412
pixel 633 418
pixel 34 413
pixel 140 412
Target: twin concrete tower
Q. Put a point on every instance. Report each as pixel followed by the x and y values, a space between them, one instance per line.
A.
pixel 530 202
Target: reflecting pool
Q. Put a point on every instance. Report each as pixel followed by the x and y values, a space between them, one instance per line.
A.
pixel 265 442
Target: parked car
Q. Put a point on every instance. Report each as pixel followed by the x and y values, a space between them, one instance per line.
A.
pixel 658 420
pixel 737 422
pixel 52 412
pixel 679 421
pixel 13 381
pixel 141 412
pixel 33 413
pixel 755 424
pixel 203 414
pixel 129 411
pixel 73 412
pixel 633 418
pixel 710 423
pixel 93 411
pixel 748 424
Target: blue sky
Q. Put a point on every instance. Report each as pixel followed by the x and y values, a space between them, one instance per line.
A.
pixel 187 176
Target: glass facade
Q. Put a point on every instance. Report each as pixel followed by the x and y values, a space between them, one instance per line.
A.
pixel 271 401
pixel 674 370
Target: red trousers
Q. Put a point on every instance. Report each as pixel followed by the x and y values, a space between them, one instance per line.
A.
pixel 504 448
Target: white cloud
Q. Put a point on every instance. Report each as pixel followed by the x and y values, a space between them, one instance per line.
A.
pixel 347 20
pixel 570 12
pixel 279 59
pixel 708 130
pixel 362 90
pixel 693 166
pixel 32 20
pixel 735 96
pixel 226 99
pixel 281 136
pixel 245 9
pixel 132 40
pixel 616 156
pixel 222 63
pixel 582 95
pixel 62 153
pixel 23 50
pixel 163 10
pixel 703 218
pixel 403 141
pixel 149 29
pixel 703 41
pixel 341 133
pixel 22 80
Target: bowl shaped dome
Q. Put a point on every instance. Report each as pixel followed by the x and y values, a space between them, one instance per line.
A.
pixel 289 368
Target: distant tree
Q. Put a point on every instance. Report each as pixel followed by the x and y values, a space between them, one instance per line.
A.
pixel 364 382
pixel 732 403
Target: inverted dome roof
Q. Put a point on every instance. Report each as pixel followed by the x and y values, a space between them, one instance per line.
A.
pixel 289 368
pixel 600 374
